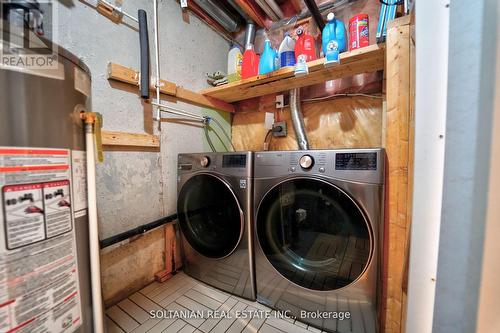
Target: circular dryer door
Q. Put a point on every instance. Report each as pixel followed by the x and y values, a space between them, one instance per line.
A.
pixel 314 234
pixel 210 216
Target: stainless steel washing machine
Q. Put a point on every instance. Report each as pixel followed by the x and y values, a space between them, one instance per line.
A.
pixel 214 207
pixel 318 235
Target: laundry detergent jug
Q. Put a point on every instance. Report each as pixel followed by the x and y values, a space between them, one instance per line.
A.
pixel 250 64
pixel 330 42
pixel 305 51
pixel 335 27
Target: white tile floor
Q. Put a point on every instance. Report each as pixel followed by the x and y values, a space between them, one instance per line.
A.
pixel 182 292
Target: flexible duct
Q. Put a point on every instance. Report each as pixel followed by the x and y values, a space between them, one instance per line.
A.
pixel 298 119
pixel 250 33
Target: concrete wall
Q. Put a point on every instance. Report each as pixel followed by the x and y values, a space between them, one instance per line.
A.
pixel 138 187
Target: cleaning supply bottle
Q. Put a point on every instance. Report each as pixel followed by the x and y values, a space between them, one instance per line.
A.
pixel 267 61
pixel 250 64
pixel 287 51
pixel 337 27
pixel 305 51
pixel 234 62
pixel 331 48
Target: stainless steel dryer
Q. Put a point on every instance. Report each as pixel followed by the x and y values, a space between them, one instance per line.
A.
pixel 214 206
pixel 318 232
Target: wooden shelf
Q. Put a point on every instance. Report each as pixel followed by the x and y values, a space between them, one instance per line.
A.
pixel 365 60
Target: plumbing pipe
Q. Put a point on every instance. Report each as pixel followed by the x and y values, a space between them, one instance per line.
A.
pixel 119 10
pixel 315 13
pixel 95 261
pixel 178 112
pixel 157 57
pixel 298 119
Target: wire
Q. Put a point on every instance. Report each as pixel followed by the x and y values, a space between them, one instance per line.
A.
pixel 316 99
pixel 210 119
pixel 209 140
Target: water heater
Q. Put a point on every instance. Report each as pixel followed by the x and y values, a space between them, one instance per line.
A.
pixel 44 255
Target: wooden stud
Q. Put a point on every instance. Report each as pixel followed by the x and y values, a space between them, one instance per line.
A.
pixel 130 76
pixel 129 139
pixel 368 59
pixel 399 134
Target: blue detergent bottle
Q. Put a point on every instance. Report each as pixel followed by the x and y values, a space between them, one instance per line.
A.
pixel 330 43
pixel 267 62
pixel 337 26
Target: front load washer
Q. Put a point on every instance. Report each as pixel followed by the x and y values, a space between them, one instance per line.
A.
pixel 318 235
pixel 214 207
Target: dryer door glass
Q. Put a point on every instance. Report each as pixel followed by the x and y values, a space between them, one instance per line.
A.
pixel 209 216
pixel 314 234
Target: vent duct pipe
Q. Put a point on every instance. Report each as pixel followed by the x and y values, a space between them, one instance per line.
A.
pixel 298 119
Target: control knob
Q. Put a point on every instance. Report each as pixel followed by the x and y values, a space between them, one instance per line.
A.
pixel 205 161
pixel 306 162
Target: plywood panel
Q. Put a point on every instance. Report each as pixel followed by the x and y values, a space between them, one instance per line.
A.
pixel 345 122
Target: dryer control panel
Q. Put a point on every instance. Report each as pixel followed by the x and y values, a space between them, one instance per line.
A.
pixel 360 165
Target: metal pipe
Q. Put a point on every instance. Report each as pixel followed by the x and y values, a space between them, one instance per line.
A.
pixel 119 10
pixel 178 112
pixel 315 13
pixel 298 119
pixel 157 57
pixel 95 262
pixel 275 8
pixel 250 33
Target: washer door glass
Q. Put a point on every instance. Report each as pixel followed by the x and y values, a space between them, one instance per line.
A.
pixel 313 234
pixel 209 216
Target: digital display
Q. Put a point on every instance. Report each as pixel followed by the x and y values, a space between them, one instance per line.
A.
pixel 356 161
pixel 234 161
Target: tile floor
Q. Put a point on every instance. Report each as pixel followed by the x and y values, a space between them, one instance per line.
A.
pixel 182 292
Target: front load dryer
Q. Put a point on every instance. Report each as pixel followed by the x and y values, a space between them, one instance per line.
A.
pixel 318 235
pixel 214 207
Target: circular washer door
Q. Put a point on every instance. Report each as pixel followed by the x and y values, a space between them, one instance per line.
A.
pixel 210 216
pixel 314 234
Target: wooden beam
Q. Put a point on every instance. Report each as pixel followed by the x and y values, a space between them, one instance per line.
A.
pixel 399 148
pixel 130 76
pixel 365 60
pixel 129 139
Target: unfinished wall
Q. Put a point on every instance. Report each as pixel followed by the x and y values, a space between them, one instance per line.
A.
pixel 350 122
pixel 138 187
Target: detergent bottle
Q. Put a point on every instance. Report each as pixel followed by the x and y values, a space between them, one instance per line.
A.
pixel 234 63
pixel 331 48
pixel 337 27
pixel 287 51
pixel 305 51
pixel 250 64
pixel 267 61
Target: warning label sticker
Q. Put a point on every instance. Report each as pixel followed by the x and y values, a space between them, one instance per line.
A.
pixel 39 288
